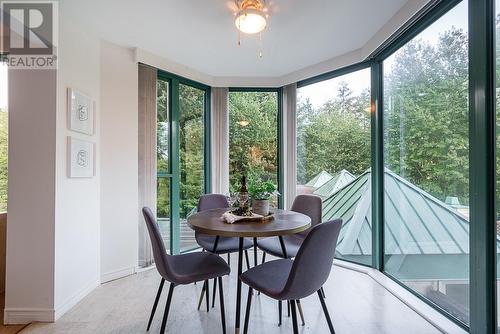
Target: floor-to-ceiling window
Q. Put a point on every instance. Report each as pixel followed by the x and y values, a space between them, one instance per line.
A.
pixel 426 143
pixel 253 136
pixel 333 156
pixel 3 137
pixel 182 109
pixel 192 163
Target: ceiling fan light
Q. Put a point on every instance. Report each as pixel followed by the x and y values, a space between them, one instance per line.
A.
pixel 250 21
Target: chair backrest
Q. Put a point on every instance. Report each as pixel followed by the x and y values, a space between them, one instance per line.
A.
pixel 159 253
pixel 212 201
pixel 313 263
pixel 309 205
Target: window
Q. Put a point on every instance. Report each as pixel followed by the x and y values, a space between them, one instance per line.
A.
pixel 426 143
pixel 181 109
pixel 253 136
pixel 333 156
pixel 3 137
pixel 191 154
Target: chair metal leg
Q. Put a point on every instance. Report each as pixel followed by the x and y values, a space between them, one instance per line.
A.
pixel 288 307
pixel 323 292
pixel 214 293
pixel 299 306
pixel 325 311
pixel 247 312
pixel 238 287
pixel 222 311
pixel 280 306
pixel 255 252
pixel 247 259
pixel 167 308
pixel 229 258
pixel 207 294
pixel 158 294
pixel 294 317
pixel 201 295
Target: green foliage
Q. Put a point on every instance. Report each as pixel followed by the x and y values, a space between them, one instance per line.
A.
pixel 262 190
pixel 334 136
pixel 3 159
pixel 253 148
pixel 191 142
pixel 426 115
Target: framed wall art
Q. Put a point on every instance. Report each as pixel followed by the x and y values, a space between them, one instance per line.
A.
pixel 81 112
pixel 81 158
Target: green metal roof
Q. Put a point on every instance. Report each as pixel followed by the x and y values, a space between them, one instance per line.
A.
pixel 337 182
pixel 319 179
pixel 415 221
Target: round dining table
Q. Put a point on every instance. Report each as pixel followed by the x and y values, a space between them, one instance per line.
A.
pixel 283 223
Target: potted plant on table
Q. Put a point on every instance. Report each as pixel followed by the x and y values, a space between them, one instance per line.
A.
pixel 260 193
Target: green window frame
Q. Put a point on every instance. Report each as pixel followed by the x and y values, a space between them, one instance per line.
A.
pixel 174 150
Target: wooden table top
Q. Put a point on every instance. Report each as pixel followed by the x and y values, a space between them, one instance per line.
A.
pixel 284 223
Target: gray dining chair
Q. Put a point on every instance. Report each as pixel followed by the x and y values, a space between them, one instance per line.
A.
pixel 182 269
pixel 217 245
pixel 291 280
pixel 309 205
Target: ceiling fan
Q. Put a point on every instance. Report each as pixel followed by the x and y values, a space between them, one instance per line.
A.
pixel 250 18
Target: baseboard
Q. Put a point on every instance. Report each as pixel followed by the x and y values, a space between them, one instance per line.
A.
pixel 75 299
pixel 114 275
pixel 23 316
pixel 434 317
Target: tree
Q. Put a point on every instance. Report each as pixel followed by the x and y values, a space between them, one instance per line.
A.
pixel 253 147
pixel 426 113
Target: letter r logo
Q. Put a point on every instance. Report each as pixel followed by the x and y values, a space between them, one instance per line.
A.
pixel 27 28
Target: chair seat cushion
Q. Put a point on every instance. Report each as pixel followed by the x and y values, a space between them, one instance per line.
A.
pixel 224 245
pixel 273 246
pixel 269 278
pixel 194 267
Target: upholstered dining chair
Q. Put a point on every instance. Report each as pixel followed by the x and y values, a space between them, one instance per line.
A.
pixel 225 245
pixel 291 280
pixel 182 269
pixel 309 205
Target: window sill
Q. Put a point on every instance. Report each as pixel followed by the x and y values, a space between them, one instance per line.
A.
pixel 434 317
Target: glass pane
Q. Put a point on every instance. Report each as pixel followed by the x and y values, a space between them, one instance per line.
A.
pixel 191 120
pixel 333 156
pixel 3 137
pixel 163 209
pixel 253 137
pixel 426 158
pixel 162 126
pixel 162 160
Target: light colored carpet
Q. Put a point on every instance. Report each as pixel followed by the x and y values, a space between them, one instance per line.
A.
pixel 357 304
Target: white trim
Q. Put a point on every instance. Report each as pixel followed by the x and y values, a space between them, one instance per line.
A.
pixel 431 315
pixel 75 299
pixel 117 274
pixel 24 316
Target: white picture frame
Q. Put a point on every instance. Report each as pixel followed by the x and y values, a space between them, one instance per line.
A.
pixel 81 112
pixel 81 158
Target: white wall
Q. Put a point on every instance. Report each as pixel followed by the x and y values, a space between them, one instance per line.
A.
pixel 119 162
pixel 30 235
pixel 77 224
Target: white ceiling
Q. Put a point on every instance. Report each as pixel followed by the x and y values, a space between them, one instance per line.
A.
pixel 200 34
